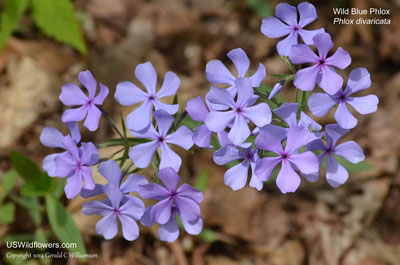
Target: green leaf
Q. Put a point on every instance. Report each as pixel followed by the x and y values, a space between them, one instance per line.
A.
pixel 38 187
pixel 56 18
pixel 58 190
pixel 8 183
pixel 10 16
pixel 25 167
pixel 202 180
pixel 190 123
pixel 362 166
pixel 208 235
pixel 63 225
pixel 32 204
pixel 40 236
pixel 260 7
pixel 7 212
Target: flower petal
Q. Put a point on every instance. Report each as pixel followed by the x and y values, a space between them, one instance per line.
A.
pixel 169 231
pixel 287 179
pixel 197 109
pixel 359 79
pixel 190 192
pixel 239 131
pixel 169 177
pixel 64 166
pixel 114 194
pixel 284 46
pixel 267 140
pixel 288 112
pixel 265 166
pixel 301 54
pixel 99 99
pixel 73 186
pixel 74 131
pixel 90 154
pixel 227 154
pixel 164 121
pixel 344 118
pixel 274 28
pixel 240 60
pixel 132 183
pixel 170 109
pixel 217 121
pixel 287 13
pixel 341 59
pixel 75 115
pixel 147 75
pixel 306 162
pixel 142 154
pixel 255 181
pixel 193 227
pixel 161 211
pixel 139 119
pixel 321 103
pixel 236 176
pixel 298 136
pixel 221 96
pixel 307 13
pixel 324 44
pixel 188 208
pixel 153 191
pixel 364 105
pixel 336 174
pixel 202 136
pixel 129 94
pixel 107 226
pixel 86 173
pixel 169 86
pixel 258 76
pixel 308 35
pixel 306 78
pixel 181 137
pixel 217 73
pixel 86 78
pixel 95 207
pixel 98 189
pixel 133 207
pixel 48 163
pixel 245 91
pixel 350 151
pixel 130 229
pixel 72 95
pixel 169 158
pixel 146 219
pixel 333 133
pixel 51 137
pixel 92 119
pixel 330 82
pixel 276 89
pixel 111 171
pixel 259 114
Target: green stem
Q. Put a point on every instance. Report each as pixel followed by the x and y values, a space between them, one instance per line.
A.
pixel 110 121
pixel 265 96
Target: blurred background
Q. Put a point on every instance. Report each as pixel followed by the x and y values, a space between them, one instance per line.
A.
pixel 49 44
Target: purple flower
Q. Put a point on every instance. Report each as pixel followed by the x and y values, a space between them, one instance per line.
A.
pixel 336 174
pixel 51 137
pixel 322 71
pixel 112 172
pixel 72 95
pixel 142 154
pixel 126 208
pixel 236 176
pixel 286 23
pixel 359 79
pixel 183 201
pixel 129 94
pixel 240 111
pixel 217 73
pixel 75 165
pixel 307 163
pixel 276 89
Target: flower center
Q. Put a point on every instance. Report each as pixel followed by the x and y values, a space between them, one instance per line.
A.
pixel 116 211
pixel 161 139
pixel 89 102
pixel 296 28
pixel 321 62
pixel 284 156
pixel 239 110
pixel 152 97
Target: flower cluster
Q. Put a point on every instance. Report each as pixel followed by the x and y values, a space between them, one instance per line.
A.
pixel 249 128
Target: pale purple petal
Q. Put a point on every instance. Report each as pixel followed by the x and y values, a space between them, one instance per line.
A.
pixel 98 189
pixel 223 138
pixel 236 176
pixel 276 89
pixel 306 121
pixel 364 105
pixel 227 154
pixel 239 131
pixel 130 229
pixel 86 173
pixel 197 109
pixel 306 78
pixel 114 194
pixel 86 78
pixel 188 208
pixel 316 145
pixel 170 109
pixel 64 167
pixel 278 132
pixel 240 60
pixel 344 118
pixel 169 231
pixel 255 181
pixel 73 186
pixel 287 179
pixel 220 96
pixel 147 75
pixel 169 86
pixel 153 191
pixel 265 166
pixel 142 154
pixel 48 164
pixel 92 119
pixel 288 112
pixel 350 151
pixel 95 207
pixel 298 136
pixel 133 207
pixel 258 76
pixel 190 192
pixel 217 73
pixel 51 137
pixel 149 133
pixel 132 183
pixel 74 130
pixel 193 227
pixel 341 59
pixel 245 91
pixel 307 13
pixel 202 136
pixel 306 162
pixel 111 171
pixel 107 226
pixel 164 121
pixel 284 46
pixel 336 174
pixel 274 28
pixel 75 115
pixel 259 114
pixel 217 121
pixel 71 147
pixel 181 137
pixel 161 211
pixel 99 99
pixel 308 35
pixel 169 158
pixel 72 95
pixel 169 177
pixel 268 141
pixel 324 44
pixel 301 54
pixel 321 103
pixel 359 79
pixel 146 219
pixel 129 94
pixel 287 13
pixel 333 133
pixel 90 154
pixel 331 82
pixel 139 119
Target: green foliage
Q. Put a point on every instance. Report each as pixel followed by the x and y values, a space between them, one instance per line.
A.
pixel 33 206
pixel 63 225
pixel 10 17
pixel 25 167
pixel 260 7
pixel 362 166
pixel 40 236
pixel 190 123
pixel 57 20
pixel 202 180
pixel 208 235
pixel 38 187
pixel 7 212
pixel 8 183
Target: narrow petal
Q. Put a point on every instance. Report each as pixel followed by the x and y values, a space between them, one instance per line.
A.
pixel 75 115
pixel 164 121
pixel 169 158
pixel 344 118
pixel 193 227
pixel 169 86
pixel 331 82
pixel 161 211
pixel 147 75
pixel 51 137
pixel 324 44
pixel 92 119
pixel 306 78
pixel 73 186
pixel 359 79
pixel 107 226
pixel 188 208
pixel 146 219
pixel 288 112
pixel 132 183
pixel 245 91
pixel 287 179
pixel 142 154
pixel 220 96
pixel 170 109
pixel 336 174
pixel 114 194
pixel 227 154
pixel 169 231
pixel 301 54
pixel 308 35
pixel 341 59
pixel 71 147
pixel 274 28
pixel 95 207
pixel 169 177
pixel 64 167
pixel 259 114
pixel 217 121
pixel 276 89
pixel 307 13
pixel 298 137
pixel 284 46
pixel 74 131
pixel 218 74
pixel 240 60
pixel 197 109
pixel 236 176
pixel 98 189
pixel 149 133
pixel 90 154
pixel 223 138
pixel 99 99
pixel 130 229
pixel 111 171
pixel 202 136
pixel 287 13
pixel 86 173
pixel 306 162
pixel 239 131
pixel 72 95
pixel 258 76
pixel 265 166
pixel 181 137
pixel 267 140
pixel 364 105
pixel 153 191
pixel 86 78
pixel 190 192
pixel 255 181
pixel 350 151
pixel 306 121
pixel 129 94
pixel 333 133
pixel 321 103
pixel 139 119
